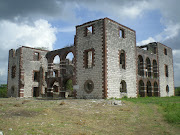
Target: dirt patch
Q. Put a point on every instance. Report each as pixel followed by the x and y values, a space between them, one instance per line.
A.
pixel 62 103
pixel 21 113
pixel 25 101
pixel 17 105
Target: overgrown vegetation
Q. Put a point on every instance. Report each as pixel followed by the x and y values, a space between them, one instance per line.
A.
pixel 3 90
pixel 170 106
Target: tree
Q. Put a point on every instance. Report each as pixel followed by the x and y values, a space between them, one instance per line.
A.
pixel 69 85
pixel 3 90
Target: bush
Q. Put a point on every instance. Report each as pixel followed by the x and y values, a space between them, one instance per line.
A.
pixel 3 90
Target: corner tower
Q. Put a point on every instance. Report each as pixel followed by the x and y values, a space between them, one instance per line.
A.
pixel 120 46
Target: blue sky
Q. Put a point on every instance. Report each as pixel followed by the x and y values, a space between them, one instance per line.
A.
pixel 51 23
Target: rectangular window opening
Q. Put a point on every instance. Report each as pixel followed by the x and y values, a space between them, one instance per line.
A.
pixel 89 29
pixel 36 56
pixel 121 33
pixel 122 59
pixel 165 51
pixel 35 92
pixel 155 50
pixel 89 59
pixel 36 76
pixel 166 71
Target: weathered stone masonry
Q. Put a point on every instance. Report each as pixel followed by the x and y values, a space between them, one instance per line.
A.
pixel 107 63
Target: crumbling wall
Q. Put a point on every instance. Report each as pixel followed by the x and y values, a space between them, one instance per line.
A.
pixel 149 53
pixel 29 66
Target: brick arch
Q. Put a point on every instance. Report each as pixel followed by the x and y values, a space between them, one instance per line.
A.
pixel 60 52
pixel 64 55
pixel 53 58
pixel 52 81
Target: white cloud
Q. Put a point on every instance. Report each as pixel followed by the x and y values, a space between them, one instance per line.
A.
pixel 13 35
pixel 144 42
pixel 41 34
pixel 119 9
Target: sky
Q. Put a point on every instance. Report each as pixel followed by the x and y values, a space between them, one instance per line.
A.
pixel 51 23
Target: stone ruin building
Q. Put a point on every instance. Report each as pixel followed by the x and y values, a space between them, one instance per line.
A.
pixel 107 63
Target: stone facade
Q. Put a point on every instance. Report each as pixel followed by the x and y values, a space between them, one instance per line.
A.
pixel 107 63
pixel 86 40
pixel 164 81
pixel 115 72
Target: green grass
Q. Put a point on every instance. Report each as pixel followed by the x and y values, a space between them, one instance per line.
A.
pixel 170 106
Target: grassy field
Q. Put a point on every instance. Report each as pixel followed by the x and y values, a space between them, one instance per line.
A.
pixel 170 106
pixel 87 117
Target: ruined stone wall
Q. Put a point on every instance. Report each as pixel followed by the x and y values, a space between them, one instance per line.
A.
pixel 163 80
pixel 84 42
pixel 29 66
pixel 115 73
pixel 14 57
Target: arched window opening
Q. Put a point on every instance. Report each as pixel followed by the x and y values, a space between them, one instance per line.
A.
pixel 140 66
pixel 148 67
pixel 70 58
pixel 123 59
pixel 56 60
pixel 149 89
pixel 167 89
pixel 123 88
pixel 155 71
pixel 12 90
pixel 141 89
pixel 55 87
pixel 55 74
pixel 156 92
